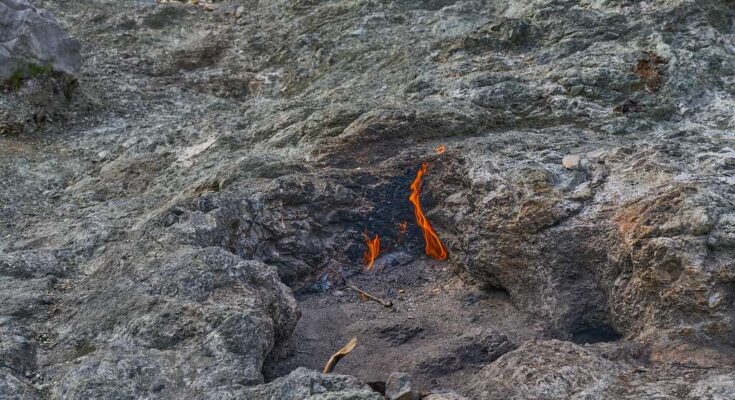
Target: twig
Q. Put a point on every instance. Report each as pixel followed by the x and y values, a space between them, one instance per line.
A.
pixel 339 354
pixel 386 304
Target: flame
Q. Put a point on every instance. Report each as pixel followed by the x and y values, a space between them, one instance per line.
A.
pixel 373 248
pixel 440 149
pixel 434 246
pixel 402 229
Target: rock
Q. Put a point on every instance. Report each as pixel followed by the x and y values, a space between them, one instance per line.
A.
pixel 474 348
pixel 571 161
pixel 304 384
pixel 398 387
pixel 562 370
pixel 29 264
pixel 445 396
pixel 12 387
pixel 203 316
pixel 32 37
pixel 716 387
pixel 17 349
pixel 239 11
pixel 549 370
pixel 38 64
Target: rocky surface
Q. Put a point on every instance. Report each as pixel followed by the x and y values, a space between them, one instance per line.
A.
pixel 303 384
pixel 156 205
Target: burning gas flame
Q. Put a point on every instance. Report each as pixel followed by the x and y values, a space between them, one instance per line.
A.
pixel 373 249
pixel 434 246
pixel 402 229
pixel 440 149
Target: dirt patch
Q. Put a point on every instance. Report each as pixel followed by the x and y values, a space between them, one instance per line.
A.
pixel 650 70
pixel 440 329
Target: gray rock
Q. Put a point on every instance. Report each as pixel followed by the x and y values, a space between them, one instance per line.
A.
pixel 562 370
pixel 17 349
pixel 38 64
pixel 29 36
pixel 30 264
pixel 445 396
pixel 304 384
pixel 201 316
pixel 474 348
pixel 548 370
pixel 398 387
pixel 716 387
pixel 12 387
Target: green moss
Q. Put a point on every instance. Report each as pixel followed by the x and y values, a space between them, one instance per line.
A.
pixel 38 70
pixel 28 72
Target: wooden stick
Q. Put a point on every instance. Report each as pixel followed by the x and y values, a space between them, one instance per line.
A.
pixel 339 354
pixel 386 304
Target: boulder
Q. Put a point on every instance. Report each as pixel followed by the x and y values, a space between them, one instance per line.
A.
pixel 32 38
pixel 399 387
pixel 305 384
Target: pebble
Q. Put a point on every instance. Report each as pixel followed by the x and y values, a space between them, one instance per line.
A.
pixel 571 161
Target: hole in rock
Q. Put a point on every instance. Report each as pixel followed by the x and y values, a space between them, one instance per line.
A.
pixel 595 334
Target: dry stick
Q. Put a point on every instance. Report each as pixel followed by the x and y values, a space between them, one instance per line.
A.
pixel 339 354
pixel 386 304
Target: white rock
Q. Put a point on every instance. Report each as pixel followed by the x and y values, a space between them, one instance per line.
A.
pixel 571 161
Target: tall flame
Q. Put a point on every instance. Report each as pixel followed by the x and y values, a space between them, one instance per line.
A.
pixel 434 246
pixel 373 249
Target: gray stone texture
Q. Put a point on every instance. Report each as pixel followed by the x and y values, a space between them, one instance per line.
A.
pixel 146 244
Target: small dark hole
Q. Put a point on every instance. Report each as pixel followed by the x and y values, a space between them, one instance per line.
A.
pixel 603 333
pixel 378 387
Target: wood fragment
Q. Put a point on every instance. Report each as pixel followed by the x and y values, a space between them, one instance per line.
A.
pixel 339 354
pixel 364 294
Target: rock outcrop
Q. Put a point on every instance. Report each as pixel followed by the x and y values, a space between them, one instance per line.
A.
pixel 31 38
pixel 38 66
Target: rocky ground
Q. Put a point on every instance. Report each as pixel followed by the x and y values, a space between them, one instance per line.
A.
pixel 181 210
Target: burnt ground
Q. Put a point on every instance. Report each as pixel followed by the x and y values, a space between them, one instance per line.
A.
pixel 440 329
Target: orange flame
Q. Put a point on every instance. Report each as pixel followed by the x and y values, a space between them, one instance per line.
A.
pixel 373 248
pixel 402 229
pixel 440 149
pixel 434 246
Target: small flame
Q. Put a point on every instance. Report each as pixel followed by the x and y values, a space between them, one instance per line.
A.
pixel 440 149
pixel 434 246
pixel 373 249
pixel 402 229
